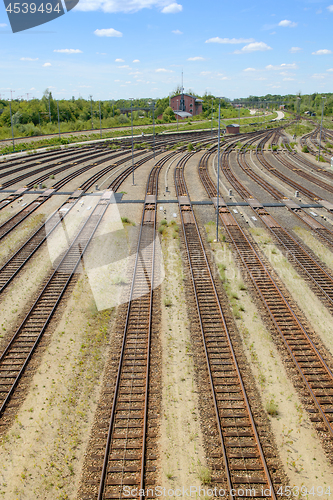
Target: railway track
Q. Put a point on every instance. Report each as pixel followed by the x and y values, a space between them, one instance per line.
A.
pixel 16 356
pixel 20 216
pixel 242 464
pixel 315 378
pixel 17 261
pixel 322 231
pixel 320 278
pixel 124 455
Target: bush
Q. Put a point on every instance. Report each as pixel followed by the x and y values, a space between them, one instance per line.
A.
pixel 272 408
pixel 190 147
pixel 305 149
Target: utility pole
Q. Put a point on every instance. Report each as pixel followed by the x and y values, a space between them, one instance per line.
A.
pixel 211 125
pixel 50 106
pixel 100 119
pixel 151 102
pixel 177 114
pixel 321 123
pixel 131 99
pixel 297 115
pixel 91 113
pixel 11 122
pixel 218 174
pixel 58 119
pixel 154 127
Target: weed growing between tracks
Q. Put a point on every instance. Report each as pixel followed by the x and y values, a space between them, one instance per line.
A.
pixel 304 460
pixel 315 245
pixel 181 441
pixel 18 236
pixel 41 455
pixel 317 314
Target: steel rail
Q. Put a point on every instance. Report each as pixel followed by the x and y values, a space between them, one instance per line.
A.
pixel 148 221
pixel 280 311
pixel 321 278
pixel 20 216
pixel 185 207
pixel 17 261
pixel 42 310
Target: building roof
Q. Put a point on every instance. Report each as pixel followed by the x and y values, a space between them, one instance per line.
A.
pixel 188 95
pixel 233 125
pixel 183 114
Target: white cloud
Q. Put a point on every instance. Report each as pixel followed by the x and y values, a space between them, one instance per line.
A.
pixel 196 58
pixel 136 60
pixel 119 60
pixel 28 59
pixel 163 70
pixel 109 32
pixel 32 88
pixel 173 8
pixel 330 8
pixel 3 25
pixel 125 6
pixel 125 66
pixel 177 32
pixel 281 66
pixel 322 52
pixel 330 69
pixel 288 79
pixel 318 76
pixel 205 73
pixel 294 50
pixel 287 24
pixel 68 51
pixel 217 39
pixel 249 69
pixel 47 64
pixel 254 47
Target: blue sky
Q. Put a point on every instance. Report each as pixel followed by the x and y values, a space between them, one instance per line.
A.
pixel 115 49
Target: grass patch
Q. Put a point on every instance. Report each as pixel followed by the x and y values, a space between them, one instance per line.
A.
pixel 204 475
pixel 272 408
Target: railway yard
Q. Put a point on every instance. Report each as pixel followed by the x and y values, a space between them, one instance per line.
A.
pixel 161 335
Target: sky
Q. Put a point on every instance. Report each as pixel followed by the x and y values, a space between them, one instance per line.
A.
pixel 113 49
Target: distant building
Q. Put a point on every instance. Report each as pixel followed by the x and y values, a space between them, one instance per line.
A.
pixel 232 129
pixel 186 103
pixel 182 115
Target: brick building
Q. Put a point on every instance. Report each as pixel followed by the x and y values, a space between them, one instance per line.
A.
pixel 186 103
pixel 232 128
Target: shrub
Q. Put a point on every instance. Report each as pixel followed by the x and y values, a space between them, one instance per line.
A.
pixel 272 408
pixel 305 149
pixel 204 475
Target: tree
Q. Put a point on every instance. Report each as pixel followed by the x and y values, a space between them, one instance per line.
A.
pixel 168 115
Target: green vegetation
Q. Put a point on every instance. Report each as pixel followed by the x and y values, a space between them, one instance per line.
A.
pixel 305 149
pixel 272 408
pixel 204 475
